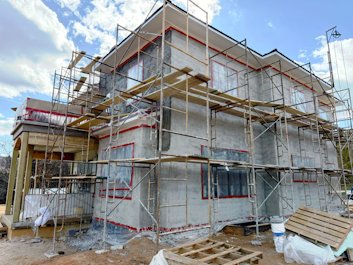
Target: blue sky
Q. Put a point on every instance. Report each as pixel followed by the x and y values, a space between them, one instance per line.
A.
pixel 38 36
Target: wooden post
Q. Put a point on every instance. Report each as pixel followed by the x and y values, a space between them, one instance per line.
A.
pixel 28 174
pixel 20 177
pixel 12 180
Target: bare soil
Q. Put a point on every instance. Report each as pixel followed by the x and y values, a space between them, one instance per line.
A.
pixel 137 252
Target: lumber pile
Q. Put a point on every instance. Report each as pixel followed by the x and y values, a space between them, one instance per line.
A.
pixel 207 251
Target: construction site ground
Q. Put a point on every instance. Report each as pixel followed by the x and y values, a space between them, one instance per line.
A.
pixel 138 251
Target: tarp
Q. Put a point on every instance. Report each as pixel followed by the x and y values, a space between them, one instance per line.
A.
pixel 159 259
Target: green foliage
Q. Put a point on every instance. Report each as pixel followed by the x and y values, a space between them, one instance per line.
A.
pixel 346 161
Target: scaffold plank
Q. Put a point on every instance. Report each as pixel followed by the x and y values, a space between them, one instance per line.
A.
pixel 76 59
pixel 151 82
pixel 80 83
pixel 88 68
pixel 80 119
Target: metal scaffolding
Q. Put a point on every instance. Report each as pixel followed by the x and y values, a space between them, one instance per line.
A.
pixel 274 115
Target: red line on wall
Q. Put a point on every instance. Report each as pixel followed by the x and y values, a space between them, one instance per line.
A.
pixel 102 195
pixel 129 129
pixel 53 112
pixel 217 51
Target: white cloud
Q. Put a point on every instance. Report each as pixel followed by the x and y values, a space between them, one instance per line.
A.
pixel 70 4
pixel 99 22
pixel 212 7
pixel 342 58
pixel 36 44
pixel 46 20
pixel 5 125
pixel 270 24
pixel 303 54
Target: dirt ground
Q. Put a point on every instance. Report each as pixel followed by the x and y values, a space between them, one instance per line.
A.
pixel 137 252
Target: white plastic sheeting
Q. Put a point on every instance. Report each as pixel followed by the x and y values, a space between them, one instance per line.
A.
pixel 45 215
pixel 159 259
pixel 74 205
pixel 297 249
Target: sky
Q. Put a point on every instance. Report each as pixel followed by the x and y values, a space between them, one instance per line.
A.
pixel 38 36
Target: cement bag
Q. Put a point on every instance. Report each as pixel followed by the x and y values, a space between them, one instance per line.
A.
pixel 159 259
pixel 45 215
pixel 297 249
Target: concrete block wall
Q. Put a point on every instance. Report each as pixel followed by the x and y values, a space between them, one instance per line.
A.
pixel 230 133
pixel 128 214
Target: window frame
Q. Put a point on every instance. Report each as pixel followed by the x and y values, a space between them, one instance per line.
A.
pixel 205 197
pixel 322 111
pixel 301 106
pixel 139 64
pixel 102 190
pixel 298 177
pixel 234 92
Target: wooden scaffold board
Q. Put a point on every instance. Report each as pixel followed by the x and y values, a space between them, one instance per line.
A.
pixel 209 251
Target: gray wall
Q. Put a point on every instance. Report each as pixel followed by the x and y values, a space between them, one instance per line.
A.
pixel 181 182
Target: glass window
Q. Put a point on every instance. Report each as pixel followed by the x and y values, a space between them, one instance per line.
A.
pixel 228 182
pixel 135 72
pixel 121 173
pixel 305 177
pixel 224 78
pixel 323 113
pixel 298 100
pixel 299 161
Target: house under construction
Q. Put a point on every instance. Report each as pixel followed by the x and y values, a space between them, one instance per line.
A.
pixel 179 127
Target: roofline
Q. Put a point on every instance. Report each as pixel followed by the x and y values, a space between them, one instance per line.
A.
pixel 169 2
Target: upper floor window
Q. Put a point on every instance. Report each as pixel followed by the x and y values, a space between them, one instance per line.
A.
pixel 298 100
pixel 135 74
pixel 224 78
pixel 323 113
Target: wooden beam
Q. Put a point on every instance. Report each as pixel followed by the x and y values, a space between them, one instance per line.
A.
pixel 20 176
pixel 28 173
pixel 88 68
pixel 76 59
pixel 52 156
pixel 76 142
pixel 80 83
pixel 220 254
pixel 245 258
pixel 81 119
pixel 194 251
pixel 139 88
pixel 12 180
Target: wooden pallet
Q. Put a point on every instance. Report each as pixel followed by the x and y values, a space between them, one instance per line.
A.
pixel 320 226
pixel 209 251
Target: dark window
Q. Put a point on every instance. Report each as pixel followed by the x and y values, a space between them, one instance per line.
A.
pixel 228 182
pixel 309 177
